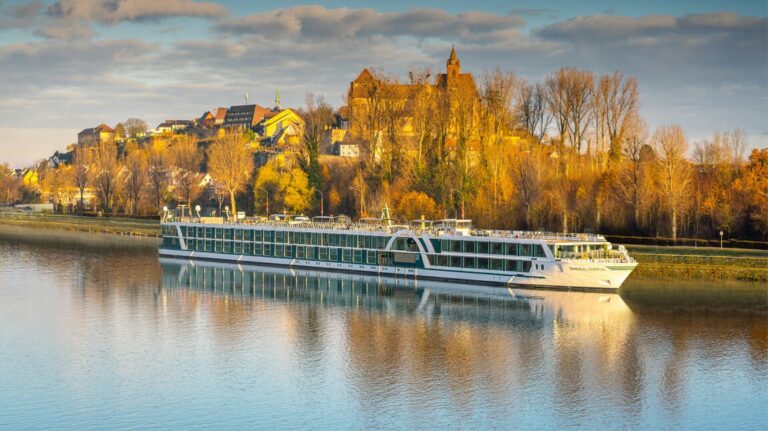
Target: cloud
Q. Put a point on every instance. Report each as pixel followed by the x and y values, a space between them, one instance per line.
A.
pixel 19 16
pixel 318 22
pixel 114 11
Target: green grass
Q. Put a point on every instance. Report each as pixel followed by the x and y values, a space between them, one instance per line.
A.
pixel 697 251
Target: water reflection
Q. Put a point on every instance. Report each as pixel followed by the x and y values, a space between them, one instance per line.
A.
pixel 97 330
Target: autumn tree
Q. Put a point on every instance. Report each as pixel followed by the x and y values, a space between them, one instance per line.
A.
pixel 186 160
pixel 414 205
pixel 230 164
pixel 157 172
pixel 136 165
pixel 288 186
pixel 80 162
pixel 10 185
pixel 318 119
pixel 671 146
pixel 106 171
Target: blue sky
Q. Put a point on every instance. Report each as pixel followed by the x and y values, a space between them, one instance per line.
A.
pixel 72 64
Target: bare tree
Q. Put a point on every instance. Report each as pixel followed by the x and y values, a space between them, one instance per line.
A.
pixel 532 111
pixel 230 163
pixel 617 97
pixel 496 122
pixel 135 127
pixel 671 145
pixel 631 174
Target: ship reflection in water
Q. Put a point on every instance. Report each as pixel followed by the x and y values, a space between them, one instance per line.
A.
pixel 97 335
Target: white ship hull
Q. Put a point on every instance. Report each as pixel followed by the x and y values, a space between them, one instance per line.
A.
pixel 577 275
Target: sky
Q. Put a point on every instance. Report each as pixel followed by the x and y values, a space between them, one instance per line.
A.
pixel 71 64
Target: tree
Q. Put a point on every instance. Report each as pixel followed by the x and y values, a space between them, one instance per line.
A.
pixel 81 161
pixel 10 185
pixel 106 171
pixel 414 205
pixel 186 160
pixel 318 119
pixel 671 146
pixel 618 97
pixel 570 98
pixel 119 131
pixel 157 172
pixel 288 186
pixel 230 163
pixel 531 110
pixel 136 168
pixel 135 127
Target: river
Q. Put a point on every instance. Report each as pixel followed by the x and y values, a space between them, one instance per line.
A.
pixel 97 333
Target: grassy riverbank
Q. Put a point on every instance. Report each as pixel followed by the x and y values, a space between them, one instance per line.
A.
pixel 708 263
pixel 119 226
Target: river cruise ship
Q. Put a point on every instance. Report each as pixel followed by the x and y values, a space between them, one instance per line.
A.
pixel 445 250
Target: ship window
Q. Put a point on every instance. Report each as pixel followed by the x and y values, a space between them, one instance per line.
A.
pixel 227 233
pixel 219 233
pixel 267 250
pixel 323 254
pixel 311 253
pixel 497 248
pixel 469 262
pixel 333 240
pixel 208 245
pixel 238 234
pixel 300 252
pixel 512 265
pixel 280 236
pixel 334 255
pixel 238 248
pixel 382 240
pixel 357 256
pixel 526 250
pixel 371 257
pixel 538 251
pixel 456 261
pixel 482 247
pixel 442 260
pixel 268 236
pixel 218 246
pixel 367 242
pixel 257 249
pixel 445 245
pixel 257 235
pixel 482 263
pixel 247 248
pixel 469 247
pixel 512 249
pixel 279 250
pixel 346 255
pixel 497 264
pixel 201 232
pixel 314 239
pixel 526 266
pixel 288 251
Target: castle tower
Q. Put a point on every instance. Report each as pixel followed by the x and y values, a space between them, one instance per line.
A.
pixel 277 98
pixel 453 65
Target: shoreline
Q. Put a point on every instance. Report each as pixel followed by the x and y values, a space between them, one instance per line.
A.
pixel 656 262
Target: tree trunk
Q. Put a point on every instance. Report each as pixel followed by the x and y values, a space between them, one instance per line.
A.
pixel 234 204
pixel 674 225
pixel 565 222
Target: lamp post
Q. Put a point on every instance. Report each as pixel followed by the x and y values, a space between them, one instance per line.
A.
pixel 462 200
pixel 266 193
pixel 721 240
pixel 321 201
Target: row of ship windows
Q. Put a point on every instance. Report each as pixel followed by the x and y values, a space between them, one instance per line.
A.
pixel 331 254
pixel 357 241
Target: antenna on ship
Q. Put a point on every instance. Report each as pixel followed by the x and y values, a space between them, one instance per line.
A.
pixel 385 217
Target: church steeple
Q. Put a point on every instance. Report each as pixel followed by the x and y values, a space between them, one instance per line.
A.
pixel 277 98
pixel 453 65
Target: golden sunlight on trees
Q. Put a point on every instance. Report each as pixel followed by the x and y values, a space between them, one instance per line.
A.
pixel 287 186
pixel 414 205
pixel 186 160
pixel 230 163
pixel 671 146
pixel 136 165
pixel 105 175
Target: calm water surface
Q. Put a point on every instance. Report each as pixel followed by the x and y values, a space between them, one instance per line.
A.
pixel 96 333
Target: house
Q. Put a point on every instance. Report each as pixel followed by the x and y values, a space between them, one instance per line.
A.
pixel 280 127
pixel 244 116
pixel 95 135
pixel 59 158
pixel 29 177
pixel 173 126
pixel 206 121
pixel 346 149
pixel 219 116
